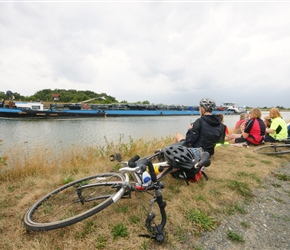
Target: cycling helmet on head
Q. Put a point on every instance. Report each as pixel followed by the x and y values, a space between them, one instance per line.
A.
pixel 179 156
pixel 208 104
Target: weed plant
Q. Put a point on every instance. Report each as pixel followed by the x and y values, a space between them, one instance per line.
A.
pixel 233 236
pixel 233 175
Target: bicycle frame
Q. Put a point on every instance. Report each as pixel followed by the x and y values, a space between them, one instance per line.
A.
pixel 137 176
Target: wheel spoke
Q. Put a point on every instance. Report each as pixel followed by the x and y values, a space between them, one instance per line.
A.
pixel 73 202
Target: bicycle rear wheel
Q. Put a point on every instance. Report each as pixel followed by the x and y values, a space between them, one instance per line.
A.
pixel 75 201
pixel 273 149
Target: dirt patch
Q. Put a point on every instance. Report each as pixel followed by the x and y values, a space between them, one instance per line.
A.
pixel 265 225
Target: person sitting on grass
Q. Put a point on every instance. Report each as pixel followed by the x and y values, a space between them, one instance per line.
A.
pixel 243 118
pixel 225 131
pixel 206 131
pixel 278 128
pixel 253 131
pixel 267 121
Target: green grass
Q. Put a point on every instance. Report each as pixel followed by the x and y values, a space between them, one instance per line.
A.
pixel 123 209
pixel 144 245
pixel 101 242
pixel 249 175
pixel 134 219
pixel 200 197
pixel 266 162
pixel 191 209
pixel 283 177
pixel 233 236
pixel 201 220
pixel 242 188
pixel 284 217
pixel 88 228
pixel 278 199
pixel 181 234
pixel 245 224
pixel 234 208
pixel 119 230
pixel 67 179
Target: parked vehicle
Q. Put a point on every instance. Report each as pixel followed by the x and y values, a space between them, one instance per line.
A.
pixel 232 106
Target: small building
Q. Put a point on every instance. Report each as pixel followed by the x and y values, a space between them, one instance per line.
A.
pixel 55 97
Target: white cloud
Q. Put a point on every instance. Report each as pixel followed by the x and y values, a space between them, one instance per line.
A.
pixel 173 53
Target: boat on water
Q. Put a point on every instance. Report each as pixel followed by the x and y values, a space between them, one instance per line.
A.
pixel 232 106
pixel 115 110
pixel 37 110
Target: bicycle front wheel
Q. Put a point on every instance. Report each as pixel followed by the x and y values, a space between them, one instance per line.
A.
pixel 75 201
pixel 273 149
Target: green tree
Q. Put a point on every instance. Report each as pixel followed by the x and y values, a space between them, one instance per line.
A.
pixel 280 107
pixel 3 95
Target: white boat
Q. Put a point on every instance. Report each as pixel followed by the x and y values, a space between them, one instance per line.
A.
pixel 232 106
pixel 29 105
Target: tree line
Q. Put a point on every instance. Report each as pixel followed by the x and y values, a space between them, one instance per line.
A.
pixel 77 96
pixel 66 96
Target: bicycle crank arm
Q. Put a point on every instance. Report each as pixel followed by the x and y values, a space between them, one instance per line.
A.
pixel 159 236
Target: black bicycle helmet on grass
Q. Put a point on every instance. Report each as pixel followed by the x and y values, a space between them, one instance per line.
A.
pixel 208 104
pixel 179 156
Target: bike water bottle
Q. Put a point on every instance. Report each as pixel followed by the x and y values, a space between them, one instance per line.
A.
pixel 146 178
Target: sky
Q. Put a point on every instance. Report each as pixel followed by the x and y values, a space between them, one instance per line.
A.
pixel 169 52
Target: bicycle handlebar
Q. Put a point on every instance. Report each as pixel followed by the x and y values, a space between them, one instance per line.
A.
pixel 132 163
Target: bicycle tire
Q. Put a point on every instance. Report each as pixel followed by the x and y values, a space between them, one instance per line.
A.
pixel 273 149
pixel 62 207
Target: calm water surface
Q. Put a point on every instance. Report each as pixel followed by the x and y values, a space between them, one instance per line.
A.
pixel 64 134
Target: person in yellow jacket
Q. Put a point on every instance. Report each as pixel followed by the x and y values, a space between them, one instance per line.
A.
pixel 278 128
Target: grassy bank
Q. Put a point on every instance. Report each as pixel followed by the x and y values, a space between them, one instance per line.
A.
pixel 233 175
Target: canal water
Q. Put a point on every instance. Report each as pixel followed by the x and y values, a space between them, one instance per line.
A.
pixel 63 134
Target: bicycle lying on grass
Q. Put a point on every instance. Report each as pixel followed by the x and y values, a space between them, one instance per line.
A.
pixel 85 197
pixel 281 147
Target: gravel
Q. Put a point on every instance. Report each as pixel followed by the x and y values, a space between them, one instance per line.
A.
pixel 265 225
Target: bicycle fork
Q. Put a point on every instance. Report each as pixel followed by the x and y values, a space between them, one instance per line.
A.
pixel 156 231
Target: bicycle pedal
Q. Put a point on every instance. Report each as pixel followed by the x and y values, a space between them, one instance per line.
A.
pixel 145 235
pixel 159 237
